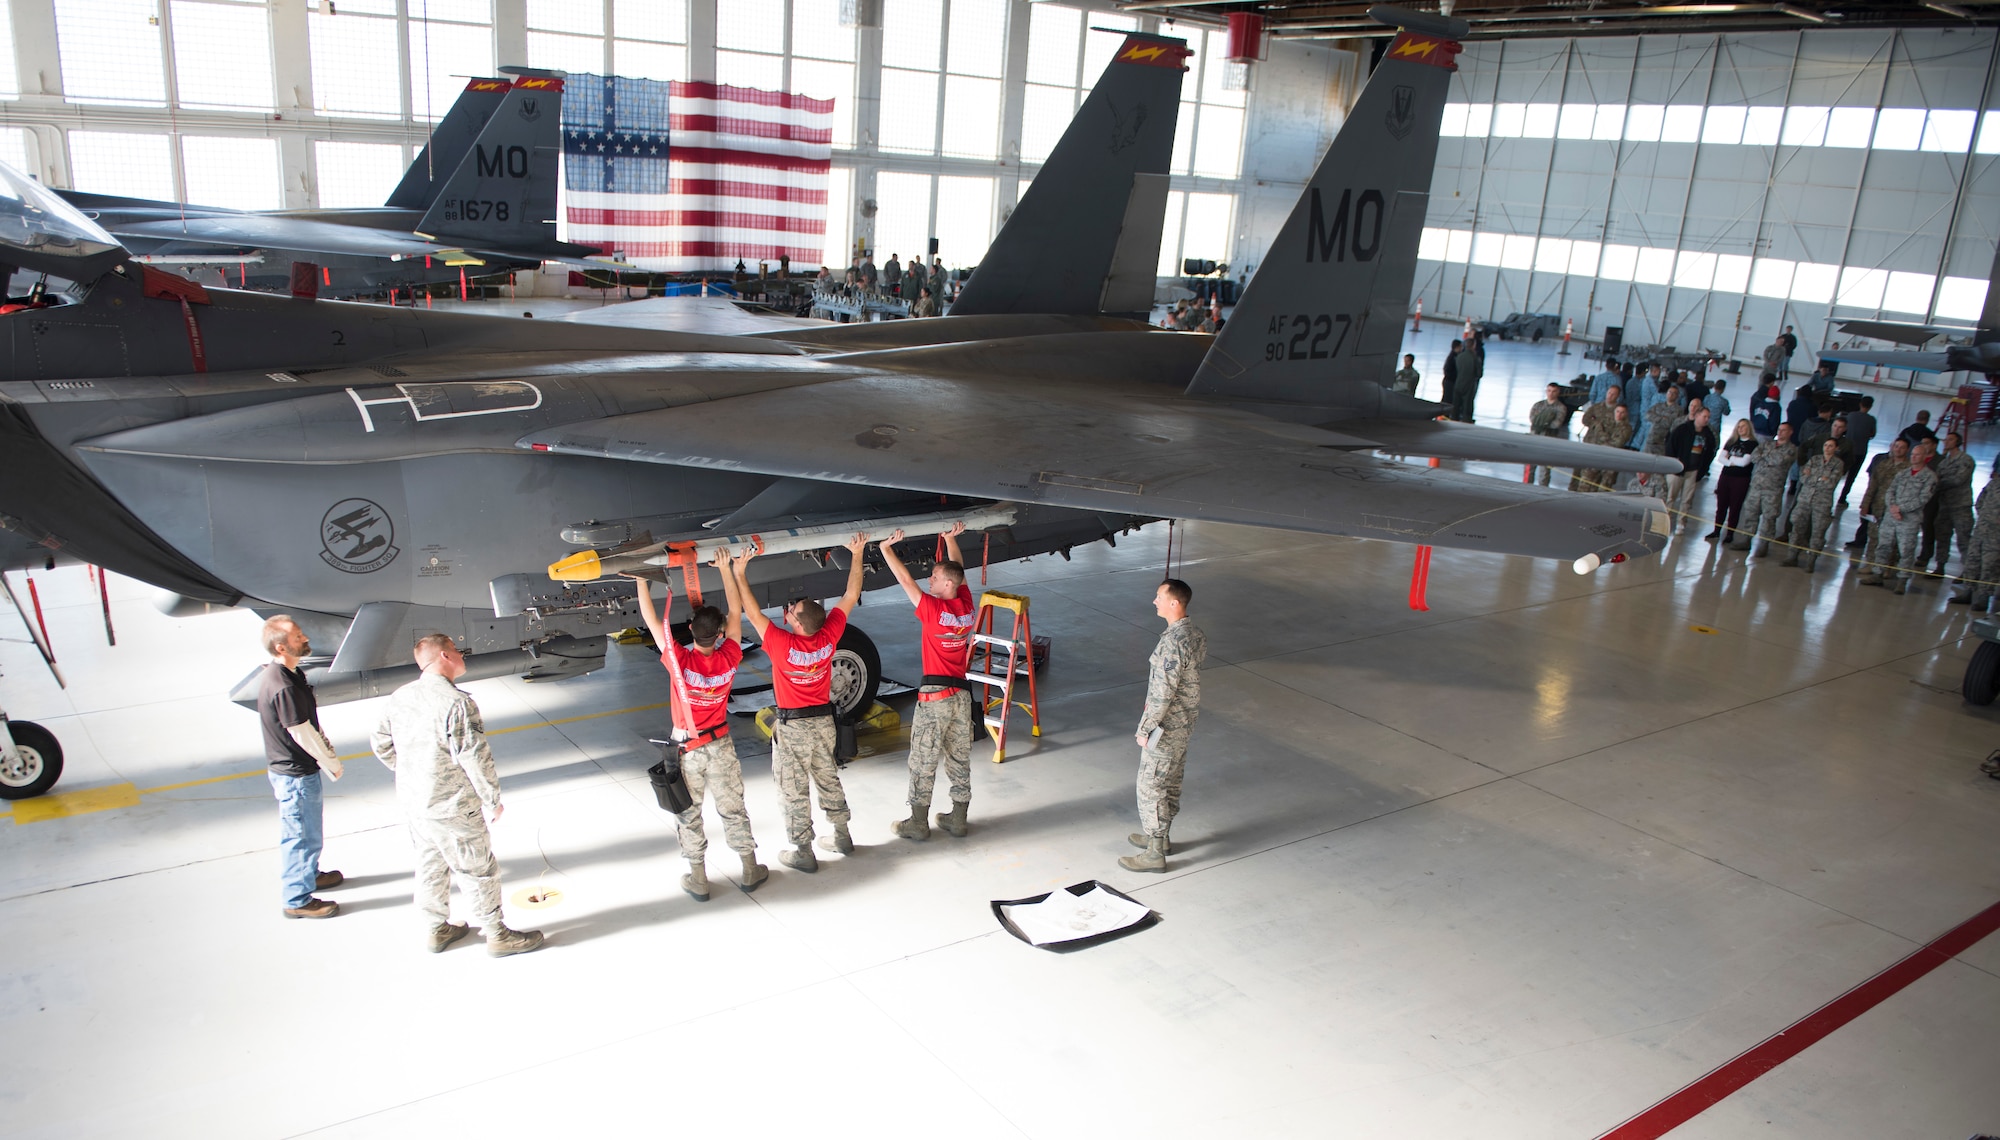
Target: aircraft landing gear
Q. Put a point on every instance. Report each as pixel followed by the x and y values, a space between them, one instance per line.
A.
pixel 857 674
pixel 30 759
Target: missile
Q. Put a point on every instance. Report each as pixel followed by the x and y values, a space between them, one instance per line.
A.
pixel 591 565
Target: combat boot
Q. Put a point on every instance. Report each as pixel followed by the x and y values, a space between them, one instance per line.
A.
pixel 502 941
pixel 754 873
pixel 444 934
pixel 800 859
pixel 1871 579
pixel 1809 563
pixel 953 821
pixel 914 827
pixel 695 882
pixel 1763 550
pixel 1959 600
pixel 1138 839
pixel 839 841
pixel 1153 858
pixel 1903 585
pixel 1791 561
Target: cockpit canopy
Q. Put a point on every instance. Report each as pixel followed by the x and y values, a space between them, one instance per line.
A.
pixel 40 232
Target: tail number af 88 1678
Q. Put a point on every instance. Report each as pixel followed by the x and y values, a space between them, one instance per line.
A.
pixel 1305 336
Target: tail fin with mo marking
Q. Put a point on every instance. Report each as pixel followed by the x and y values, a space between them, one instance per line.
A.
pixel 1325 309
pixel 450 141
pixel 503 194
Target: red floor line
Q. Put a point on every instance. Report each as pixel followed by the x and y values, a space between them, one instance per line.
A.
pixel 1794 1039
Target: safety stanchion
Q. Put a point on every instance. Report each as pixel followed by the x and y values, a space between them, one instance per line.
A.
pixel 1569 326
pixel 1417 318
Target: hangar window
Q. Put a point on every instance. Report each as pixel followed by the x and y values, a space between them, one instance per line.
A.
pixel 132 165
pixel 1552 255
pixel 14 149
pixel 839 215
pixel 1583 257
pixel 1961 298
pixel 902 213
pixel 10 79
pixel 222 55
pixel 1682 123
pixel 238 172
pixel 1899 128
pixel 1813 282
pixel 1610 124
pixel 1433 244
pixel 650 38
pixel 1861 288
pixel 1723 126
pixel 750 44
pixel 1642 122
pixel 825 79
pixel 1478 120
pixel 750 69
pixel 443 52
pixel 910 106
pixel 1732 273
pixel 1206 234
pixel 1694 270
pixel 1517 251
pixel 110 52
pixel 1772 277
pixel 1949 132
pixel 1540 121
pixel 566 16
pixel 566 52
pixel 1989 133
pixel 1453 123
pixel 1761 125
pixel 351 174
pixel 1908 293
pixel 1487 248
pixel 964 219
pixel 1655 266
pixel 1054 39
pixel 1619 262
pixel 355 63
pixel 823 62
pixel 1850 126
pixel 1577 121
pixel 1804 126
pixel 1508 118
pixel 1458 246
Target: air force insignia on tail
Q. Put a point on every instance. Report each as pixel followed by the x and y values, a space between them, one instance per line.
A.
pixel 1402 112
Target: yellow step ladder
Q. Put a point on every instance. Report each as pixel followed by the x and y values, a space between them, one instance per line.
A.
pixel 1020 645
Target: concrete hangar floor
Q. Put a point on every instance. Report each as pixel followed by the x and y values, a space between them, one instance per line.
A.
pixel 1521 866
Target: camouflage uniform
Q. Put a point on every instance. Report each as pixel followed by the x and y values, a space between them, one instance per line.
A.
pixel 1954 514
pixel 941 730
pixel 1812 515
pixel 802 757
pixel 1763 507
pixel 1875 502
pixel 1173 700
pixel 1601 426
pixel 433 739
pixel 714 770
pixel 1979 566
pixel 1550 418
pixel 1910 490
pixel 1661 419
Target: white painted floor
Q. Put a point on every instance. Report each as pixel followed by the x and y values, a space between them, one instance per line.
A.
pixel 1516 867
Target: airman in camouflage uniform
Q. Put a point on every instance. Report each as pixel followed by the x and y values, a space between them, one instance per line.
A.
pixel 1954 469
pixel 1812 515
pixel 1979 566
pixel 941 729
pixel 1173 700
pixel 433 739
pixel 1607 425
pixel 1661 419
pixel 1764 506
pixel 1902 523
pixel 1882 471
pixel 1549 417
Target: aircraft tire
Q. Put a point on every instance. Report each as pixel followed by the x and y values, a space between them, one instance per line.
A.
pixel 857 673
pixel 41 762
pixel 1982 674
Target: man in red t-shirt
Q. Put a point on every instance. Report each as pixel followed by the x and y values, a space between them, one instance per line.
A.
pixel 708 759
pixel 801 654
pixel 942 728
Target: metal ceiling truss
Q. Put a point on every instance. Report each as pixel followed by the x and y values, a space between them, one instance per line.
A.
pixel 1318 20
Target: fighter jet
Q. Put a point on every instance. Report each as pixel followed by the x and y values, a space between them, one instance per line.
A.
pixel 482 196
pixel 1979 353
pixel 382 472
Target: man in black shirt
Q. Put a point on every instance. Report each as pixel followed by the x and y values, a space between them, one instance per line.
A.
pixel 1692 442
pixel 297 751
pixel 1918 432
pixel 1451 372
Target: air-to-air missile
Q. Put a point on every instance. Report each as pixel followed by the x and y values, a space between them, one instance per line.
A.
pixel 591 565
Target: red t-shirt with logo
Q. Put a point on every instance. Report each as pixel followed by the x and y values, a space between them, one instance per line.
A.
pixel 947 632
pixel 708 678
pixel 802 667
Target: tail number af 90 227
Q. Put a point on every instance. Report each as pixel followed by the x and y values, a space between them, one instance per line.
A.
pixel 1304 336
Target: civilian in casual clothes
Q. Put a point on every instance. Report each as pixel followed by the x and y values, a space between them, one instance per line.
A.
pixel 1918 432
pixel 1861 428
pixel 1766 413
pixel 1734 482
pixel 1692 442
pixel 1451 371
pixel 297 752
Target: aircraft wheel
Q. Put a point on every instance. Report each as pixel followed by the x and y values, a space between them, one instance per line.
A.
pixel 40 763
pixel 857 673
pixel 1982 674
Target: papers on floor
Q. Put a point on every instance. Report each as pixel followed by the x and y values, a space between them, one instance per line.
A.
pixel 1067 917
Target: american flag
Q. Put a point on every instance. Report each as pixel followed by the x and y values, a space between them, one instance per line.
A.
pixel 690 176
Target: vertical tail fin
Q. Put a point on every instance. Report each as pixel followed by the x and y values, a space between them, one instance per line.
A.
pixel 451 140
pixel 1327 303
pixel 1989 314
pixel 1086 237
pixel 503 194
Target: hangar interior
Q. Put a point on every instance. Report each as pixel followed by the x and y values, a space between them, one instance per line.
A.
pixel 1559 855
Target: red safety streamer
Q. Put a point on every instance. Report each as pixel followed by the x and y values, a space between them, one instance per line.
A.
pixel 35 596
pixel 1420 580
pixel 104 596
pixel 463 293
pixel 195 350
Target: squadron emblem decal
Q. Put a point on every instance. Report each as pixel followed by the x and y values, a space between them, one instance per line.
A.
pixel 356 537
pixel 1402 112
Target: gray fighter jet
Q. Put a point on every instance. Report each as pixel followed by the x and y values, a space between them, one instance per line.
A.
pixel 481 196
pixel 379 472
pixel 1979 352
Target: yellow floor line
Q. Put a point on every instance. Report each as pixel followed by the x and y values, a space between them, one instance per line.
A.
pixel 65 804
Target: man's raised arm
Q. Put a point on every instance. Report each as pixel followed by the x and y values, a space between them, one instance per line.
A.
pixel 740 565
pixel 651 617
pixel 951 543
pixel 902 572
pixel 856 547
pixel 732 623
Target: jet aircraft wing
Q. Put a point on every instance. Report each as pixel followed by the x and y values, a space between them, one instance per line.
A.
pixel 1915 361
pixel 1110 447
pixel 1466 441
pixel 1900 333
pixel 237 231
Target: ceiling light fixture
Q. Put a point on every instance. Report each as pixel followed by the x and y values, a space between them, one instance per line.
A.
pixel 1800 13
pixel 1948 9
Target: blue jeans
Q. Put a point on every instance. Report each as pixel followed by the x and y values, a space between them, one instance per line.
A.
pixel 300 834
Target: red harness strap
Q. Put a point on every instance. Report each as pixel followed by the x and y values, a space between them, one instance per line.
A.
pixel 161 285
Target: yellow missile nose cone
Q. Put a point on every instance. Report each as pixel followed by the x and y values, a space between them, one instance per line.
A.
pixel 583 566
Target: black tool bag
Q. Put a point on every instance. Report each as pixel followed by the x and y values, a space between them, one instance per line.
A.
pixel 669 787
pixel 845 747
